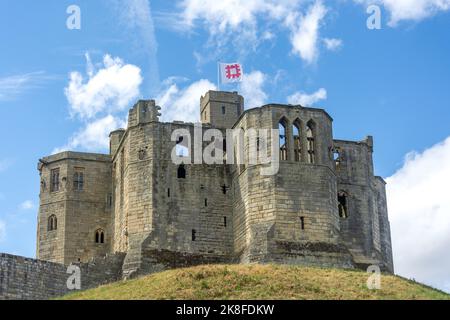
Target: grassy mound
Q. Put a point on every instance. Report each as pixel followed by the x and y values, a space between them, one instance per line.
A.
pixel 259 282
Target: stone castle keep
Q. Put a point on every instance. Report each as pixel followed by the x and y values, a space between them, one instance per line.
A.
pixel 138 208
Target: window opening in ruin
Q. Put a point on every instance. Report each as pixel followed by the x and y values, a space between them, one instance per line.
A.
pixel 181 172
pixel 310 137
pixel 343 204
pixel 297 140
pixel 282 125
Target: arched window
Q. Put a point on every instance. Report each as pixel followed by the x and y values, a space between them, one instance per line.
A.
pixel 337 157
pixel 282 126
pixel 52 223
pixel 99 236
pixel 297 140
pixel 181 172
pixel 343 204
pixel 310 137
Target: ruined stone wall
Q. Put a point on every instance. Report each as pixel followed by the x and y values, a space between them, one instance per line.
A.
pixel 195 204
pixel 283 217
pixel 29 279
pixel 80 213
pixel 384 224
pixel 365 229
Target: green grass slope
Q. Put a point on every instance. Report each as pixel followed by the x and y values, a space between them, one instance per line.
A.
pixel 243 282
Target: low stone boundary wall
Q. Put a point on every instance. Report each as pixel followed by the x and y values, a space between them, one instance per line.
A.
pixel 30 279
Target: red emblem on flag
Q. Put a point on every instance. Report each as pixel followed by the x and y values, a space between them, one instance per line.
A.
pixel 231 72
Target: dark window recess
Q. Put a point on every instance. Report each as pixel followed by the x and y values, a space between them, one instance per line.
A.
pixel 78 181
pixel 342 205
pixel 224 189
pixel 181 172
pixel 302 223
pixel 194 234
pixel 99 236
pixel 224 145
pixel 225 222
pixel 168 193
pixel 223 110
pixel 52 223
pixel 54 180
pixel 206 202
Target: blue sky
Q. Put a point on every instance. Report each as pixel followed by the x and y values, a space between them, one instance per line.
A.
pixel 392 83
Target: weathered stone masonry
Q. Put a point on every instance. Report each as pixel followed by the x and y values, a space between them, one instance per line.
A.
pixel 324 207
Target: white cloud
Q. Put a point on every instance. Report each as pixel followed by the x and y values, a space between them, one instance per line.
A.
pixel 136 16
pixel 305 31
pixel 27 205
pixel 183 104
pixel 223 16
pixel 244 24
pixel 305 99
pixel 251 89
pixel 419 207
pixel 333 44
pixel 94 136
pixel 414 10
pixel 2 231
pixel 13 86
pixel 111 88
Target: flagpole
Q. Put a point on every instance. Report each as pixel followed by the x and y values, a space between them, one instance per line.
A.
pixel 218 75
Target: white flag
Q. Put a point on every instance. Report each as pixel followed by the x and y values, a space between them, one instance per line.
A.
pixel 231 72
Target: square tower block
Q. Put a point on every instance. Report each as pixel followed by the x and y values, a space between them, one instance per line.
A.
pixel 221 109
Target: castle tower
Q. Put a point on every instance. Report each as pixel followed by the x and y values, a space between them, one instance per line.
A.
pixel 221 109
pixel 74 220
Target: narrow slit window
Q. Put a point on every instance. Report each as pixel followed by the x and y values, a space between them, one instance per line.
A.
pixel 223 110
pixel 206 202
pixel 168 193
pixel 194 234
pixel 302 223
pixel 225 222
pixel 110 200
